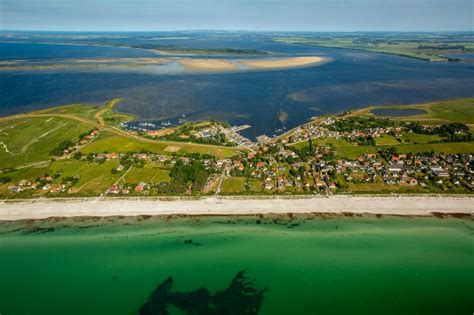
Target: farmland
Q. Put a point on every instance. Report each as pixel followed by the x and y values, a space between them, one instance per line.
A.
pixel 419 46
pixel 60 149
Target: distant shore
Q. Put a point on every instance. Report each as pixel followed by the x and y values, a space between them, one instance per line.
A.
pixel 102 207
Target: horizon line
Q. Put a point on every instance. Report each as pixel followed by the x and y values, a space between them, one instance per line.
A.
pixel 237 30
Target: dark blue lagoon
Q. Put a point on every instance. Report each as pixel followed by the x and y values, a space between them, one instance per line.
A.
pixel 269 101
pixel 18 51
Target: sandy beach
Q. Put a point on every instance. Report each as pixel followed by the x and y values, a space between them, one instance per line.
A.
pixel 393 205
pixel 281 63
pixel 207 64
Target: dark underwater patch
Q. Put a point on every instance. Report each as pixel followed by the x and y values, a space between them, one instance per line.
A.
pixel 239 298
pixel 39 230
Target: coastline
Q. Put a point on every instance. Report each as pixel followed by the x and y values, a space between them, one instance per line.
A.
pixel 11 210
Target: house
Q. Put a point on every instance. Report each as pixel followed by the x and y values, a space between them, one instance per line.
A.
pixel 153 133
pixel 413 182
pixel 24 182
pixel 320 183
pixel 206 133
pixel 15 189
pixel 141 156
pixel 332 185
pixel 114 189
pixel 395 168
pixel 140 187
pixel 288 153
pixel 269 186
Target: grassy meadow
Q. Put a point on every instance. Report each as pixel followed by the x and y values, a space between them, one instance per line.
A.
pixel 27 142
pixel 30 140
pixel 120 144
pixel 458 110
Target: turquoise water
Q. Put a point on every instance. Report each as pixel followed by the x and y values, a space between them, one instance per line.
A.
pixel 310 265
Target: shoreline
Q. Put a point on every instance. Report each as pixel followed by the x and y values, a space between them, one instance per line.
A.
pixel 11 210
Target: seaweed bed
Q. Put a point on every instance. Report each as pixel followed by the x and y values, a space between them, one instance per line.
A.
pixel 239 298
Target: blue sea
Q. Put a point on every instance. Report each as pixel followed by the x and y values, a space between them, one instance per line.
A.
pixel 354 79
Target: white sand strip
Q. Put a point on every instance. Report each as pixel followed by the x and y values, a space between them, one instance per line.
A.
pixel 405 205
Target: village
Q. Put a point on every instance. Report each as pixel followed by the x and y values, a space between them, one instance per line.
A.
pixel 307 160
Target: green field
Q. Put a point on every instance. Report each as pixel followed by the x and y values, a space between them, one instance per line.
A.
pixel 415 138
pixel 456 110
pixel 120 144
pixel 343 148
pixel 233 185
pixel 459 110
pixel 349 150
pixel 27 142
pixel 150 173
pixel 386 139
pixel 449 148
pixel 94 178
pixel 80 110
pixel 31 139
pixel 416 46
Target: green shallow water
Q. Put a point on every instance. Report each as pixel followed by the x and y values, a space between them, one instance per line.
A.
pixel 311 265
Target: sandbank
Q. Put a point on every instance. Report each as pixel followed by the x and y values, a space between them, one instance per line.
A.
pixel 207 64
pixel 282 63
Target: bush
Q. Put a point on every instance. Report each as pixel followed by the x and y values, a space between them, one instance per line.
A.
pixel 59 150
pixel 4 180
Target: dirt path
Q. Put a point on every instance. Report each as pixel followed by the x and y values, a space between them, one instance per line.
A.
pixel 109 106
pixel 5 147
pixel 25 147
pixel 123 176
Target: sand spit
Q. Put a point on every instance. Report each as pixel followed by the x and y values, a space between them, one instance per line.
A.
pixel 75 207
pixel 189 65
pixel 83 63
pixel 282 62
pixel 192 64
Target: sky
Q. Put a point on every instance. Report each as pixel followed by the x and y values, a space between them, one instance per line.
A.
pixel 253 15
